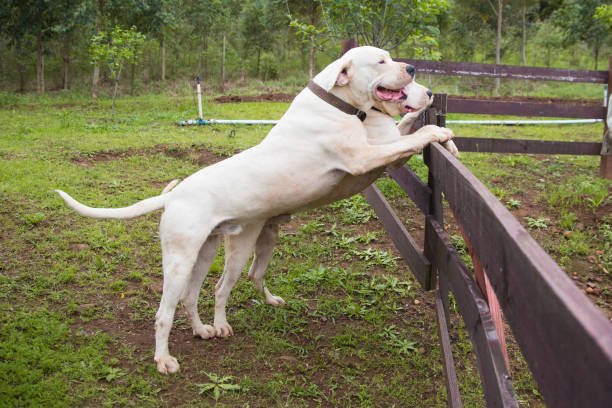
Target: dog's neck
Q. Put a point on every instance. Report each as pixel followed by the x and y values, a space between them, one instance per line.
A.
pixel 336 101
pixel 360 102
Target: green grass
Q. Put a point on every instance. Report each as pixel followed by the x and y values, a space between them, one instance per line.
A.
pixel 78 296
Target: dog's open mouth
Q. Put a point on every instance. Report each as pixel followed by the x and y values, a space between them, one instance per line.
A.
pixel 409 109
pixel 386 94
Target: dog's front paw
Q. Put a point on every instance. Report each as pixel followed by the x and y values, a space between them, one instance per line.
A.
pixel 445 134
pixel 224 330
pixel 167 364
pixel 204 331
pixel 451 147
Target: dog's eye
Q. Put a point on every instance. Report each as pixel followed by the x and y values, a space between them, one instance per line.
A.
pixel 381 61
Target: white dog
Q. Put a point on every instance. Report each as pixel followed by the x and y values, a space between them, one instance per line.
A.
pixel 301 161
pixel 381 129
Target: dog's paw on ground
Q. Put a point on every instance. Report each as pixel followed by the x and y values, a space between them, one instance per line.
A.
pixel 204 331
pixel 224 330
pixel 167 364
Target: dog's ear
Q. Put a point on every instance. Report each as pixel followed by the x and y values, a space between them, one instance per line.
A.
pixel 338 73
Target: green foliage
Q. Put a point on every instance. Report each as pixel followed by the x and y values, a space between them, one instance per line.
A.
pixel 579 191
pixel 603 14
pixel 117 48
pixel 581 21
pixel 311 35
pixel 40 366
pixel 114 50
pixel 217 385
pixel 537 223
pixel 387 24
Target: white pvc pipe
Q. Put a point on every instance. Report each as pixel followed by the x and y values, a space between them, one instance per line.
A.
pixel 199 92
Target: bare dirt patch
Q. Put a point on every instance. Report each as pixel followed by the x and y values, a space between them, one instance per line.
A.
pixel 201 155
pixel 267 97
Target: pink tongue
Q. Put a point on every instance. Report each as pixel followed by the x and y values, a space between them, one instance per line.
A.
pixel 387 94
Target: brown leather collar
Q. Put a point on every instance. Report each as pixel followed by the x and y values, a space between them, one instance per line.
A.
pixel 335 101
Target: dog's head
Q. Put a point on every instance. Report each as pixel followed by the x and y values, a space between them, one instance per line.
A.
pixel 365 75
pixel 417 99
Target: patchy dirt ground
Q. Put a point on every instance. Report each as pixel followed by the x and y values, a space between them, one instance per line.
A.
pixel 267 97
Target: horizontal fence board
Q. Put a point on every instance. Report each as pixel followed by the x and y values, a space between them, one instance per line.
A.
pixel 565 339
pixel 475 313
pixel 507 71
pixel 452 386
pixel 414 187
pixel 490 145
pixel 410 251
pixel 551 110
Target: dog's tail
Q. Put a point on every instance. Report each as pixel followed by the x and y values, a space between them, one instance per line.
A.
pixel 142 207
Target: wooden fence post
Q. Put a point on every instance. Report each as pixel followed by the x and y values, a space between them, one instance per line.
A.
pixel 434 116
pixel 605 165
pixel 347 44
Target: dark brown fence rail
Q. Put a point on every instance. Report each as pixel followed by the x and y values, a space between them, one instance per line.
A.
pixel 507 71
pixel 557 110
pixel 489 145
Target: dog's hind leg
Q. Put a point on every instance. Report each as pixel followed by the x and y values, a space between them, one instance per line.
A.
pixel 190 299
pixel 238 250
pixel 263 253
pixel 181 245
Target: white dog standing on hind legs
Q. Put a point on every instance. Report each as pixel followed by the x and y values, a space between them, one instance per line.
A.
pixel 381 129
pixel 299 163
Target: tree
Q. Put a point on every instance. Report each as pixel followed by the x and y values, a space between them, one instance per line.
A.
pixel 96 71
pixel 20 19
pixel 387 24
pixel 549 37
pixel 576 18
pixel 124 48
pixel 76 16
pixel 313 36
pixel 260 19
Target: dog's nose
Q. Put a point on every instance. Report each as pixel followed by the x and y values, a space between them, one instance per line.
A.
pixel 410 69
pixel 429 93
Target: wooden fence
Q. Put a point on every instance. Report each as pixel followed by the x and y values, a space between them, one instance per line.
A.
pixel 495 107
pixel 565 339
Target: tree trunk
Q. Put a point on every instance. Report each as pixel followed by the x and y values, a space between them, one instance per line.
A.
pixel 596 52
pixel 311 60
pixel 132 78
pixel 205 61
pixel 40 65
pixel 22 77
pixel 258 61
pixel 163 57
pixel 96 71
pixel 115 94
pixel 223 66
pixel 311 54
pixel 524 42
pixel 288 45
pixel 500 4
pixel 200 51
pixel 66 59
